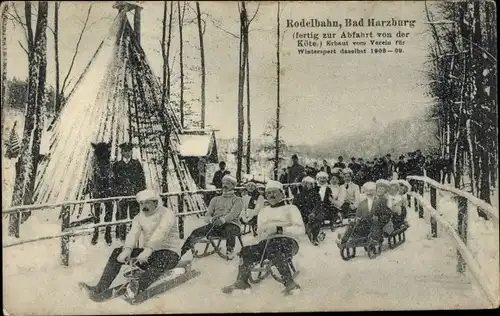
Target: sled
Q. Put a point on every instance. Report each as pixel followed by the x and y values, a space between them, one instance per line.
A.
pixel 172 278
pixel 397 237
pixel 261 271
pixel 215 242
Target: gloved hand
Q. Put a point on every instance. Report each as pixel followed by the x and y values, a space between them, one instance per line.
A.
pixel 219 221
pixel 124 255
pixel 375 218
pixel 144 255
pixel 352 206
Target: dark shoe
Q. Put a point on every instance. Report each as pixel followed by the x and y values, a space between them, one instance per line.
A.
pixel 316 243
pixel 95 238
pixel 132 290
pixel 291 288
pixel 236 286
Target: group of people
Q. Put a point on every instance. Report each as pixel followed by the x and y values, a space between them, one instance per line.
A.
pixel 279 226
pixel 411 163
pixel 124 177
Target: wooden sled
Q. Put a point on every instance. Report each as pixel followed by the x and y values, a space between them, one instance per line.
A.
pixel 397 237
pixel 215 242
pixel 170 280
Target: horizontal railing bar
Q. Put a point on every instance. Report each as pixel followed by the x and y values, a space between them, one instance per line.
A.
pixel 462 248
pixel 491 211
pixel 35 207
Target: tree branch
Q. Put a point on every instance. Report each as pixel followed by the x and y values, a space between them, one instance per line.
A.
pixel 21 44
pixel 255 14
pixel 29 29
pixel 64 85
pixel 219 27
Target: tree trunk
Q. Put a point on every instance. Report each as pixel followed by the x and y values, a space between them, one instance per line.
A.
pixel 4 56
pixel 181 61
pixel 33 126
pixel 249 125
pixel 57 99
pixel 166 141
pixel 168 48
pixel 277 139
pixel 202 61
pixel 241 86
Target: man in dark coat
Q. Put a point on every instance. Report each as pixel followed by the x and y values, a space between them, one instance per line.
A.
pixel 340 163
pixel 219 174
pixel 129 179
pixel 296 173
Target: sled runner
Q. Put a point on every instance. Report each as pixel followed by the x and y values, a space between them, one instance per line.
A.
pixel 172 278
pixel 215 242
pixel 265 268
pixel 348 249
pixel 397 237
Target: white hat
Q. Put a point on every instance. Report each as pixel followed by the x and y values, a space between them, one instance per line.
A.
pixel 383 182
pixel 369 186
pixel 271 184
pixel 321 174
pixel 260 185
pixel 406 184
pixel 308 180
pixel 336 170
pixel 147 195
pixel 394 182
pixel 230 178
pixel 347 170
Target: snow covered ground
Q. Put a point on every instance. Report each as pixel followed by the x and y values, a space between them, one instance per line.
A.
pixel 420 274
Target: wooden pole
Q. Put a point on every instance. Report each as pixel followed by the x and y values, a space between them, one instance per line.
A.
pixel 65 223
pixel 137 23
pixel 462 229
pixel 433 204
pixel 180 209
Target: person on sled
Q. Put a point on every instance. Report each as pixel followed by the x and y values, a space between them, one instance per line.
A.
pixel 382 214
pixel 337 197
pixel 360 227
pixel 223 214
pixel 307 199
pixel 352 194
pixel 394 203
pixel 280 228
pixel 404 188
pixel 253 202
pixel 159 253
pixel 322 208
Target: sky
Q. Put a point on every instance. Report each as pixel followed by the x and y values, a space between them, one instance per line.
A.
pixel 321 96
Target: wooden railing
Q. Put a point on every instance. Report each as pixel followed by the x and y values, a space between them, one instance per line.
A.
pixel 459 235
pixel 69 230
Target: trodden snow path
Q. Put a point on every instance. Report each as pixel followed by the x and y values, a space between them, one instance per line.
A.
pixel 420 274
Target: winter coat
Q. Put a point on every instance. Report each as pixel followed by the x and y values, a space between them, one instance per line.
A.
pixel 280 220
pixel 129 178
pixel 227 206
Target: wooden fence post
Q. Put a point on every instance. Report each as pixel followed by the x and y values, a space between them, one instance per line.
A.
pixel 462 229
pixel 420 189
pixel 65 223
pixel 434 206
pixel 180 208
pixel 14 224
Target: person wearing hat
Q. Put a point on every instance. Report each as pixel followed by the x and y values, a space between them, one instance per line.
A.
pixel 129 179
pixel 159 253
pixel 340 163
pixel 219 174
pixel 296 173
pixel 280 228
pixel 352 193
pixel 323 207
pixel 223 216
pixel 307 201
pixel 382 214
pixel 337 197
pixel 253 202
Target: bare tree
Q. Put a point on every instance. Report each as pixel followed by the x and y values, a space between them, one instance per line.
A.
pixel 201 31
pixel 4 54
pixel 33 126
pixel 57 100
pixel 169 41
pixel 181 60
pixel 278 125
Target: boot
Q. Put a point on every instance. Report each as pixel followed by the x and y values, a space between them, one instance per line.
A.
pixel 230 254
pixel 95 237
pixel 132 290
pixel 239 285
pixel 291 288
pixel 107 236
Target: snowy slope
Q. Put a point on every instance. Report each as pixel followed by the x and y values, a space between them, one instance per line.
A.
pixel 424 268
